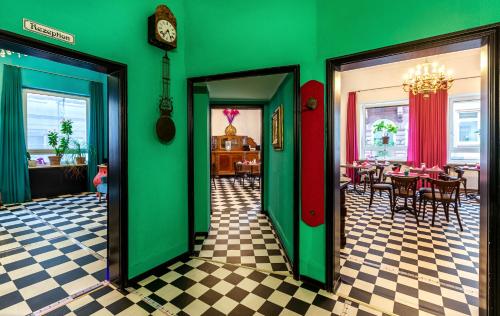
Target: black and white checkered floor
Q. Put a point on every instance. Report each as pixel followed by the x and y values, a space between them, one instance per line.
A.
pixel 411 270
pixel 240 233
pixel 50 250
pixel 198 287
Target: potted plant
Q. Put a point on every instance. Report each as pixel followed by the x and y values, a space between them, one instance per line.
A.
pixel 31 163
pixel 386 129
pixel 60 143
pixel 78 152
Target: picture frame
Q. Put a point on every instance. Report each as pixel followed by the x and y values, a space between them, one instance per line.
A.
pixel 277 128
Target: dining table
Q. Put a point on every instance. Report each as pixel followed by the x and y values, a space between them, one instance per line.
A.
pixel 249 167
pixel 356 169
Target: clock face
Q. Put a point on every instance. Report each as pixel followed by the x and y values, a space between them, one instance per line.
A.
pixel 166 31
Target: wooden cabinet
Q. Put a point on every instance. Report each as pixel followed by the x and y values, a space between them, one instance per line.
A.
pixel 224 160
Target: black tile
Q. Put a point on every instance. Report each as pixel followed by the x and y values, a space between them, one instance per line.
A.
pixel 155 285
pixel 298 306
pixel 10 299
pixel 88 309
pixel 233 278
pixel 31 279
pixel 212 312
pixel 237 294
pixel 46 298
pixel 269 308
pixel 183 283
pixel 19 264
pixel 263 291
pixel 52 262
pixel 70 276
pixel 182 300
pixel 119 306
pixel 241 310
pixel 210 297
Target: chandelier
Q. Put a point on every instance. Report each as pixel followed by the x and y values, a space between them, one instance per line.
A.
pixel 427 78
pixel 6 53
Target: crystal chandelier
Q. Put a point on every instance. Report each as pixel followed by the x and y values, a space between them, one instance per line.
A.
pixel 6 53
pixel 427 78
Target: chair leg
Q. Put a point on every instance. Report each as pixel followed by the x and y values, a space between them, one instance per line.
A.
pixel 372 192
pixel 415 210
pixel 464 182
pixel 446 207
pixel 100 196
pixel 458 218
pixel 425 207
pixel 434 210
pixel 390 202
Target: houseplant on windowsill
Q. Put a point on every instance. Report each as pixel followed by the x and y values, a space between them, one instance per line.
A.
pixel 31 163
pixel 78 152
pixel 387 129
pixel 60 143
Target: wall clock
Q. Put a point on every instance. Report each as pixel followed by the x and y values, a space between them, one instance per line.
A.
pixel 162 33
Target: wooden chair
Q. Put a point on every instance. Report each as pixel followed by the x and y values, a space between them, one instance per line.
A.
pixel 377 186
pixel 446 193
pixel 446 176
pixel 405 188
pixel 239 173
pixel 213 174
pixel 255 174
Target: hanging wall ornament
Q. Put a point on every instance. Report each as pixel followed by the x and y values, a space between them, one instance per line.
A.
pixel 165 127
pixel 162 32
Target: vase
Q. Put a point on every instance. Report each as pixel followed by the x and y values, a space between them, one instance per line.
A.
pixel 385 140
pixel 103 172
pixel 80 160
pixel 230 130
pixel 55 160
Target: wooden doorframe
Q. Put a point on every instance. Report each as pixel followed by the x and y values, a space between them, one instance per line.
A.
pixel 485 37
pixel 117 233
pixel 295 71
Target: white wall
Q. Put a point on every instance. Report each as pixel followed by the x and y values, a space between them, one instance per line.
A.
pixel 247 123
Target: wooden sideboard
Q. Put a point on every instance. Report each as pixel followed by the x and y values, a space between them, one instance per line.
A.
pixel 224 160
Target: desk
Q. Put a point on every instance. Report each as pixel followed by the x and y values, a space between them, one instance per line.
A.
pixel 224 160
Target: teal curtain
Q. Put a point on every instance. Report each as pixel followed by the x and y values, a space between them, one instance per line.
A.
pixel 97 132
pixel 14 176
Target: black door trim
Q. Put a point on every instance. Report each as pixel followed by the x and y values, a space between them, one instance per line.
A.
pixel 118 146
pixel 295 70
pixel 490 173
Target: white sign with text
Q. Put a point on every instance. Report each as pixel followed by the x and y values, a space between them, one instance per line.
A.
pixel 44 30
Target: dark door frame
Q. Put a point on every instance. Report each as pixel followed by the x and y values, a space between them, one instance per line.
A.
pixel 484 37
pixel 250 106
pixel 295 70
pixel 118 148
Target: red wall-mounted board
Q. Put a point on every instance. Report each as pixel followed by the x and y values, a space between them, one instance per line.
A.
pixel 313 154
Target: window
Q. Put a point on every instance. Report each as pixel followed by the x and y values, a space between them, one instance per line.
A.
pixel 373 144
pixel 464 122
pixel 44 112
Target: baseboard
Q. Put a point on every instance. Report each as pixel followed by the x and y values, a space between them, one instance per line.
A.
pixel 279 238
pixel 313 282
pixel 161 268
pixel 204 234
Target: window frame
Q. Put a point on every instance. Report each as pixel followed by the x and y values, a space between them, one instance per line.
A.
pixel 451 128
pixel 54 94
pixel 362 123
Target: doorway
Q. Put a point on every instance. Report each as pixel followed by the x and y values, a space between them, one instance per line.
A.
pixel 484 40
pixel 238 169
pixel 67 228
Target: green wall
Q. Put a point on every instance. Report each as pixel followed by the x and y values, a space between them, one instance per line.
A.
pixel 116 30
pixel 220 36
pixel 278 181
pixel 201 110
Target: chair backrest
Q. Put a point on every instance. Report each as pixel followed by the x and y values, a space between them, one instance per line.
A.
pixel 446 169
pixel 380 172
pixel 446 189
pixel 460 172
pixel 404 186
pixel 238 166
pixel 371 176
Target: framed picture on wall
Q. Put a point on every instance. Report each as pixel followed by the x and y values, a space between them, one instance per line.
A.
pixel 277 128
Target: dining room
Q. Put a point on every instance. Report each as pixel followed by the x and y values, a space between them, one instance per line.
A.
pixel 410 184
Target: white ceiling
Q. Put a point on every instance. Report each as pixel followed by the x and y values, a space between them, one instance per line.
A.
pixel 249 88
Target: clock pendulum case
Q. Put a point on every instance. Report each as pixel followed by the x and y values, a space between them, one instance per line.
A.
pixel 162 33
pixel 165 127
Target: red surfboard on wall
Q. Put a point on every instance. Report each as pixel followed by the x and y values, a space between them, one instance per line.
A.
pixel 313 153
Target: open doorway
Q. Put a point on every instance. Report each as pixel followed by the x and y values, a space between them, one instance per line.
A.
pixel 389 250
pixel 244 145
pixel 61 220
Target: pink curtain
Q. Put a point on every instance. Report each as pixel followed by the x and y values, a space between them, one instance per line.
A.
pixel 427 130
pixel 352 133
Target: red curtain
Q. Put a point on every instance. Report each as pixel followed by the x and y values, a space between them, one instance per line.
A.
pixel 427 129
pixel 352 133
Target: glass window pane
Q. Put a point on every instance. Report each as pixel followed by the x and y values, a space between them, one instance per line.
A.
pixel 44 112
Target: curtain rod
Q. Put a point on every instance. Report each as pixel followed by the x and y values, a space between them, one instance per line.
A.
pixel 51 73
pixel 399 86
